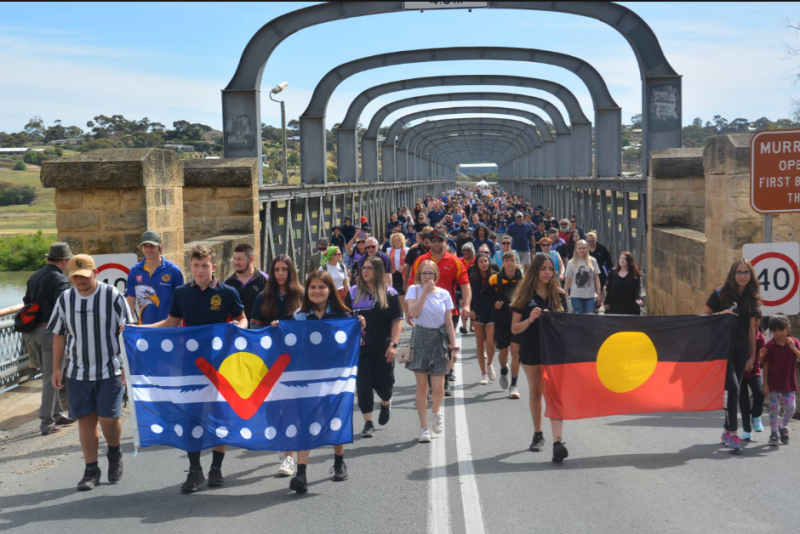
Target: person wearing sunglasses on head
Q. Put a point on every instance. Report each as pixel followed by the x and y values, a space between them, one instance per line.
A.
pixel 372 250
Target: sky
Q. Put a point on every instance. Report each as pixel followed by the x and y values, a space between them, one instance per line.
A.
pixel 169 61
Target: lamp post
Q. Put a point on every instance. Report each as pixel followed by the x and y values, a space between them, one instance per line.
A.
pixel 275 90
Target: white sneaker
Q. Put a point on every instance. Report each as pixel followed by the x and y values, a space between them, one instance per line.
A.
pixel 513 392
pixel 287 468
pixel 491 373
pixel 438 422
pixel 425 435
pixel 484 380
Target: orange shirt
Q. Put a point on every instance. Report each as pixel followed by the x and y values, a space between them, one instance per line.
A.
pixel 452 273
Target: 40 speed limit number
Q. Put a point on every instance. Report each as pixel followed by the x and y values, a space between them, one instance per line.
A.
pixel 777 275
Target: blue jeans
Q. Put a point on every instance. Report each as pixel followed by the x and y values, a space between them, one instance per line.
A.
pixel 583 306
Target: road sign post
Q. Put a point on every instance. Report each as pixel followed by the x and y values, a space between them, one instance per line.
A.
pixel 114 268
pixel 776 266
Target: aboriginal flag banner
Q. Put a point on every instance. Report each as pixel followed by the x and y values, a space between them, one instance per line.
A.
pixel 594 366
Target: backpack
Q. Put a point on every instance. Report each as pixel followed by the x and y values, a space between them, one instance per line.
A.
pixel 25 319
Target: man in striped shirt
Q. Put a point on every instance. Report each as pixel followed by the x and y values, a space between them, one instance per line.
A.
pixel 86 322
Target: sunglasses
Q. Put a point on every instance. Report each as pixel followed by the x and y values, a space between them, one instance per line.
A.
pixel 437 240
pixel 573 222
pixel 371 247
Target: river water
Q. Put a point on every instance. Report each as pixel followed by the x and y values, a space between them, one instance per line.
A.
pixel 12 287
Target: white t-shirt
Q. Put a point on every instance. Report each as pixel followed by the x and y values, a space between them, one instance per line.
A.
pixel 433 312
pixel 395 257
pixel 336 272
pixel 582 279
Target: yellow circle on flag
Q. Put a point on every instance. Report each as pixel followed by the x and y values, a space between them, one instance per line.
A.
pixel 626 360
pixel 244 371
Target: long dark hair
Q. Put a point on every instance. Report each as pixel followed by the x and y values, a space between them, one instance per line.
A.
pixel 337 306
pixel 378 283
pixel 294 291
pixel 527 287
pixel 750 299
pixel 631 264
pixel 477 276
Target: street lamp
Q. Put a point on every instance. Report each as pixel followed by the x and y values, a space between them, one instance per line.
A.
pixel 275 90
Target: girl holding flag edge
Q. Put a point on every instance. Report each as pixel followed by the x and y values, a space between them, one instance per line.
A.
pixel 321 301
pixel 537 293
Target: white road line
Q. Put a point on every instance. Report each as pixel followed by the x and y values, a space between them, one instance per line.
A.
pixel 470 499
pixel 439 497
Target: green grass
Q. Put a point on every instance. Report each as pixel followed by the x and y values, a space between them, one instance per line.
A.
pixel 44 203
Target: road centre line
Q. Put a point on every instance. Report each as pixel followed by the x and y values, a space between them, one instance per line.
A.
pixel 439 497
pixel 470 498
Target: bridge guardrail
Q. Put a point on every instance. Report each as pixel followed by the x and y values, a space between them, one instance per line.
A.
pixel 14 358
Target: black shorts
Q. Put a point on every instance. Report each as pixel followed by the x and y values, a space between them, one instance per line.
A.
pixel 397 283
pixel 528 356
pixel 502 335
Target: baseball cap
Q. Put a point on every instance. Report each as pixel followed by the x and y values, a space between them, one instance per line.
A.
pixel 440 233
pixel 80 265
pixel 518 214
pixel 150 237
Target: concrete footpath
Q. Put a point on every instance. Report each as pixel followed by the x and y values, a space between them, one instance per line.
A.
pixel 649 473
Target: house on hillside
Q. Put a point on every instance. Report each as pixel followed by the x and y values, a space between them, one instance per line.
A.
pixel 76 141
pixel 179 148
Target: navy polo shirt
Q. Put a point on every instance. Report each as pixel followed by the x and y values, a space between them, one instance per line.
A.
pixel 311 316
pixel 218 303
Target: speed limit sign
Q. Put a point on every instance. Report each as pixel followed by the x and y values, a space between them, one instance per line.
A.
pixel 113 269
pixel 777 275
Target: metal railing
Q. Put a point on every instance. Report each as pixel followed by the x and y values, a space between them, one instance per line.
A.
pixel 614 207
pixel 14 360
pixel 293 218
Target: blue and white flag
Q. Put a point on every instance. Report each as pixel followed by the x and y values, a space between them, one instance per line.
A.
pixel 284 388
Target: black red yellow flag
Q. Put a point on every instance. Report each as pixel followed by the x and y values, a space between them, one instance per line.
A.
pixel 594 366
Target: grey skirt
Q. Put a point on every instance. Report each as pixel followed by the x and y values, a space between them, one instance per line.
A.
pixel 430 351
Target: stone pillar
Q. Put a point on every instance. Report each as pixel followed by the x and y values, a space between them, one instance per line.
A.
pixel 106 199
pixel 220 206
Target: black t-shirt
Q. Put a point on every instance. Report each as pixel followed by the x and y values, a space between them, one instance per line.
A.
pixel 378 333
pixel 741 334
pixel 249 291
pixel 528 339
pixel 257 320
pixel 418 226
pixel 414 253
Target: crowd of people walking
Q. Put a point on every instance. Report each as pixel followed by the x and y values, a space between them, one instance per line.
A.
pixel 474 260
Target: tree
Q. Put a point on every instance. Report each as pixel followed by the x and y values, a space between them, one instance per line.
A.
pixel 293 158
pixel 294 124
pixel 33 158
pixel 636 121
pixel 17 195
pixel 35 127
pixel 20 165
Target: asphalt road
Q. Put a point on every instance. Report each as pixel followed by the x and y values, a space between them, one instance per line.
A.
pixel 640 473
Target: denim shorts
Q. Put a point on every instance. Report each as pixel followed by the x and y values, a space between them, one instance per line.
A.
pixel 103 397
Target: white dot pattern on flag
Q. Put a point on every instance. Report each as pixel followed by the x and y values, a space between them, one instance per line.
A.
pixel 266 342
pixel 141 344
pixel 192 345
pixel 156 428
pixel 270 433
pixel 216 344
pixel 340 337
pixel 197 432
pixel 222 432
pixel 315 338
pixel 291 431
pixel 336 424
pixel 179 430
pixel 166 345
pixel 315 429
pixel 290 339
pixel 240 343
pixel 246 434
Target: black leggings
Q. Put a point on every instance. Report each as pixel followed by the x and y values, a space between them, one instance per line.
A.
pixel 733 383
pixel 374 373
pixel 756 386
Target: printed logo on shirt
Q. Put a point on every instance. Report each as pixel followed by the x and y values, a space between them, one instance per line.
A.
pixel 216 302
pixel 165 278
pixel 138 277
